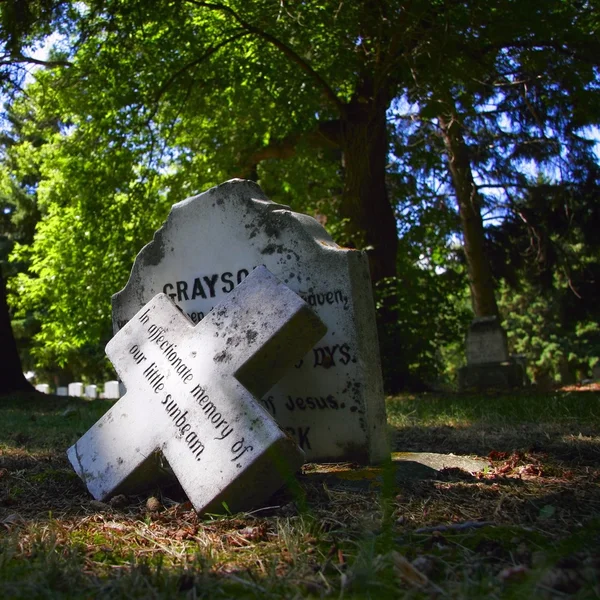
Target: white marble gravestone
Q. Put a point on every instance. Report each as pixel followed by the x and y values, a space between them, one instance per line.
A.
pixel 91 391
pixel 332 401
pixel 75 389
pixel 192 393
pixel 111 390
pixel 43 387
pixel 62 391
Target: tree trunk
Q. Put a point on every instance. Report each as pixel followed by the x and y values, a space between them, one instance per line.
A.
pixel 365 203
pixel 11 373
pixel 469 205
pixel 372 221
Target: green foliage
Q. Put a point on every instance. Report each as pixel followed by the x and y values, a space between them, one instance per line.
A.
pixel 560 348
pixel 549 258
pixel 144 105
pixel 430 305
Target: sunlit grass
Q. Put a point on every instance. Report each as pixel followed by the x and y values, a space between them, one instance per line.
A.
pixel 460 410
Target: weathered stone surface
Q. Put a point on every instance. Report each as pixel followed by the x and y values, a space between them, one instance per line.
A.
pixel 61 391
pixel 486 342
pixel 191 393
pixel 489 365
pixel 332 401
pixel 43 387
pixel 439 462
pixel 405 467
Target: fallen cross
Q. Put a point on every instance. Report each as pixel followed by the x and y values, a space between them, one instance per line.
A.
pixel 192 395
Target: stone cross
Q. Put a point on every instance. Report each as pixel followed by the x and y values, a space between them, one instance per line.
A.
pixel 191 394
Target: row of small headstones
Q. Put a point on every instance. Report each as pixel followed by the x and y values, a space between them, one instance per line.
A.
pixel 112 390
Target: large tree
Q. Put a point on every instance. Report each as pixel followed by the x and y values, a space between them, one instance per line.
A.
pixel 11 374
pixel 511 102
pixel 22 22
pixel 160 101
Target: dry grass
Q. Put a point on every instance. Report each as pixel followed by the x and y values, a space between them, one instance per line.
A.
pixel 526 527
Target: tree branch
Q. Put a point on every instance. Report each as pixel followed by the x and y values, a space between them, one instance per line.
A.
pixel 327 135
pixel 165 86
pixel 21 59
pixel 284 48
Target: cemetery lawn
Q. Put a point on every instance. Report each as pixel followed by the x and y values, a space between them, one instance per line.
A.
pixel 526 526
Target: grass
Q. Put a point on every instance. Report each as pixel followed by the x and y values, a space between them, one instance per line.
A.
pixel 528 526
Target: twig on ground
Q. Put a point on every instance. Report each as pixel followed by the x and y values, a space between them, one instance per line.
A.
pixel 456 526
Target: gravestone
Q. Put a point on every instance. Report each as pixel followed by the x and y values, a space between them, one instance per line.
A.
pixel 43 387
pixel 91 391
pixel 489 365
pixel 111 390
pixel 332 400
pixel 486 342
pixel 62 391
pixel 75 389
pixel 192 393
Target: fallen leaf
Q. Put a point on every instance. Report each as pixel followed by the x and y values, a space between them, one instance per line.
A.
pixel 547 511
pixel 407 572
pixel 12 520
pixel 514 573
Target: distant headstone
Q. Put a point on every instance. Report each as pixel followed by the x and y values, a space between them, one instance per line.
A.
pixel 43 387
pixel 91 391
pixel 75 389
pixel 332 401
pixel 489 365
pixel 111 390
pixel 486 342
pixel 192 393
pixel 62 391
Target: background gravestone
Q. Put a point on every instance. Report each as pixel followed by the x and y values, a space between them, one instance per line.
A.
pixel 91 391
pixel 486 342
pixel 75 389
pixel 489 365
pixel 332 401
pixel 111 390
